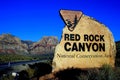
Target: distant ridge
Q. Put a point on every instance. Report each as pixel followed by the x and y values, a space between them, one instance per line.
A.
pixel 10 44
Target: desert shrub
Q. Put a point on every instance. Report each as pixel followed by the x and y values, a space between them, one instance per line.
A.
pixel 23 75
pixel 70 74
pixel 7 77
pixel 92 74
pixel 30 72
pixel 117 72
pixel 106 72
pixel 41 69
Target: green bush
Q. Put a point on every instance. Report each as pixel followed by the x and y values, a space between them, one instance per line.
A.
pixel 13 57
pixel 30 72
pixel 7 77
pixel 106 72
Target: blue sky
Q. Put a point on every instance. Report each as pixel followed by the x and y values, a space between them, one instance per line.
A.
pixel 33 19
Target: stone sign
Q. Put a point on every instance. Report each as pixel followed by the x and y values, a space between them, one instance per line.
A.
pixel 85 43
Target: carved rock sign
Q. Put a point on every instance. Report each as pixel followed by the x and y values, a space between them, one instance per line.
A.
pixel 87 44
pixel 71 18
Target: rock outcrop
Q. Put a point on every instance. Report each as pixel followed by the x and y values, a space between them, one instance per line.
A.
pixel 10 44
pixel 45 45
pixel 87 44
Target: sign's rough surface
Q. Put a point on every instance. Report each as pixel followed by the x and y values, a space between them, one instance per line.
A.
pixel 90 44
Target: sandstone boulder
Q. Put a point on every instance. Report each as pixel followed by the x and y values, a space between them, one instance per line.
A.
pixel 89 45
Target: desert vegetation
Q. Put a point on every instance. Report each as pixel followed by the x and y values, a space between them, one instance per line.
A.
pixel 15 57
pixel 43 71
